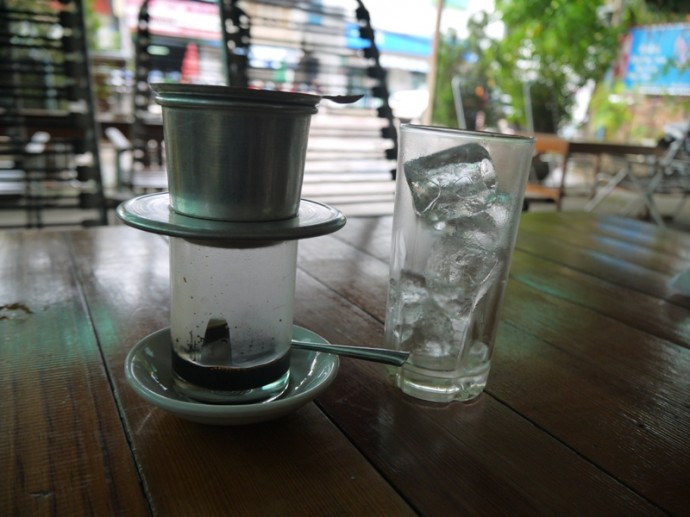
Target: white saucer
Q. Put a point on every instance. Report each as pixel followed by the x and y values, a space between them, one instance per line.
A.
pixel 148 371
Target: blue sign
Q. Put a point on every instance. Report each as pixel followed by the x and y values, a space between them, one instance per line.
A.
pixel 390 42
pixel 659 60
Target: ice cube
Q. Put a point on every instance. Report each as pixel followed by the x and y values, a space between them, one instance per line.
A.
pixel 408 297
pixel 499 212
pixel 491 219
pixel 463 261
pixel 431 338
pixel 451 301
pixel 478 354
pixel 454 183
pixel 465 153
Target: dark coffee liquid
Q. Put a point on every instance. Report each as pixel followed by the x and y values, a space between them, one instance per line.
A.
pixel 228 378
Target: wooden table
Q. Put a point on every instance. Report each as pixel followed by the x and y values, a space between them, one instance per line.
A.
pixel 587 409
pixel 546 143
pixel 646 159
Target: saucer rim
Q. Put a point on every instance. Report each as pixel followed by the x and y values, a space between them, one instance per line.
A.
pixel 231 414
pixel 153 213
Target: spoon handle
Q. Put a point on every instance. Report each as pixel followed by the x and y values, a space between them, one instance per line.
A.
pixel 379 355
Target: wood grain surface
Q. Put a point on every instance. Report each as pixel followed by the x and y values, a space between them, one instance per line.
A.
pixel 587 410
pixel 63 448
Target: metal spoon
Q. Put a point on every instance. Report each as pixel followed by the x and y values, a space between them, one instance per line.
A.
pixel 342 99
pixel 379 355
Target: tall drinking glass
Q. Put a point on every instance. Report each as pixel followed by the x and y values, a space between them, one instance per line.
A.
pixel 459 196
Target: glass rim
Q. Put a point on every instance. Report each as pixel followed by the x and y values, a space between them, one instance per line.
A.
pixel 467 133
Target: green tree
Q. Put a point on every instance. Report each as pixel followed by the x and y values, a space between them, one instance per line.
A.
pixel 459 58
pixel 555 46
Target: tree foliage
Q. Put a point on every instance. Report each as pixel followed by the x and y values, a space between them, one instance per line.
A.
pixel 555 46
pixel 458 58
pixel 555 51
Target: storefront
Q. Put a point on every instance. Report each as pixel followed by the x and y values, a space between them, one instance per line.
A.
pixel 186 42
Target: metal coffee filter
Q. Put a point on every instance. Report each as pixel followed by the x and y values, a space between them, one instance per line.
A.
pixel 235 154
